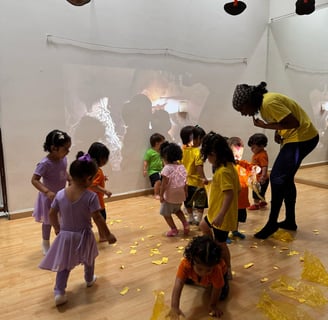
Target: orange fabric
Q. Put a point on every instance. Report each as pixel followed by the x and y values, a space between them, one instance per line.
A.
pixel 244 169
pixel 215 278
pixel 99 180
pixel 261 159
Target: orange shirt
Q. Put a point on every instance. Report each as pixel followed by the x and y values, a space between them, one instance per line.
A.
pixel 99 180
pixel 215 278
pixel 261 159
pixel 244 170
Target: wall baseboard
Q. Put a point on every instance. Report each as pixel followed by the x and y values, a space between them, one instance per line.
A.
pixel 28 212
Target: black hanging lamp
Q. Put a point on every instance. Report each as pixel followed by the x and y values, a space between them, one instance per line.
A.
pixel 78 3
pixel 234 8
pixel 304 6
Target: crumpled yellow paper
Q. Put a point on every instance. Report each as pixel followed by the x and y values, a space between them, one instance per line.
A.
pixel 283 235
pixel 276 310
pixel 314 270
pixel 300 291
pixel 160 309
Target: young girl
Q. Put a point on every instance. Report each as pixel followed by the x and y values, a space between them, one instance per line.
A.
pixel 202 265
pixel 196 179
pixel 173 187
pixel 75 242
pixel 49 177
pixel 100 153
pixel 222 213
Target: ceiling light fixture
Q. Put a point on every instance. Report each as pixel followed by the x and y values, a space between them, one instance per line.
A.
pixel 78 3
pixel 304 6
pixel 234 8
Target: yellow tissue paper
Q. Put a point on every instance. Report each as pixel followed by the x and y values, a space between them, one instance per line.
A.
pixel 300 291
pixel 313 269
pixel 160 309
pixel 276 310
pixel 124 291
pixel 283 236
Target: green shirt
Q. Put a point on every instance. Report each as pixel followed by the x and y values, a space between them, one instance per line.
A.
pixel 155 163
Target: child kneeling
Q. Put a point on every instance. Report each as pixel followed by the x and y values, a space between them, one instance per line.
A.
pixel 202 265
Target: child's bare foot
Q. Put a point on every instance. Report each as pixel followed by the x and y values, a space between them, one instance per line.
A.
pixel 111 239
pixel 157 197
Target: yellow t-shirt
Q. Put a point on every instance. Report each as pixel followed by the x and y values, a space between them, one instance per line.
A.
pixel 276 107
pixel 224 178
pixel 191 158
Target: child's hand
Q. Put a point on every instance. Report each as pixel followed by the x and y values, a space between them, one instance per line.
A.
pixel 108 193
pixel 217 222
pixel 174 314
pixel 50 195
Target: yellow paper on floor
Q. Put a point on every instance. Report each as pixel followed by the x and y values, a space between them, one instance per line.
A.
pixel 314 270
pixel 300 291
pixel 277 310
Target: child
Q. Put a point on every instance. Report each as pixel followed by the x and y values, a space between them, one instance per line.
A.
pixel 173 187
pixel 257 142
pixel 75 242
pixel 153 164
pixel 100 153
pixel 244 169
pixel 222 213
pixel 49 177
pixel 202 264
pixel 193 162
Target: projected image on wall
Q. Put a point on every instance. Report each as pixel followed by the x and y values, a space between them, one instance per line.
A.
pixel 123 107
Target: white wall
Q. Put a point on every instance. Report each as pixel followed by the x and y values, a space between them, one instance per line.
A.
pixel 114 49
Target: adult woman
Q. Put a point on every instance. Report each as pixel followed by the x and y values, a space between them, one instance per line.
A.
pixel 297 136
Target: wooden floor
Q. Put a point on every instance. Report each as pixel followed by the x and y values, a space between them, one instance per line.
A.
pixel 26 292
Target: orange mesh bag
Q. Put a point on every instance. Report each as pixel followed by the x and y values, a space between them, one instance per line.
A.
pixel 299 291
pixel 314 270
pixel 276 310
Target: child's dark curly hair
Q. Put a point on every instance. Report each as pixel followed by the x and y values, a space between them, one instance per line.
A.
pixel 56 138
pixel 259 139
pixel 99 152
pixel 171 152
pixel 214 143
pixel 203 250
pixel 186 134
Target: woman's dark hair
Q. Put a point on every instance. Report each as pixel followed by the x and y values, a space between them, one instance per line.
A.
pixel 203 250
pixel 198 132
pixel 217 144
pixel 259 139
pixel 256 97
pixel 156 137
pixel 171 152
pixel 186 134
pixel 56 138
pixel 83 167
pixel 98 151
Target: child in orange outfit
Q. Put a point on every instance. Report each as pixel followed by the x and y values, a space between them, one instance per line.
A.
pixel 257 142
pixel 244 169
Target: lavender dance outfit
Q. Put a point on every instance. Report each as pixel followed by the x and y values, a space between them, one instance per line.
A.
pixel 54 177
pixel 75 244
